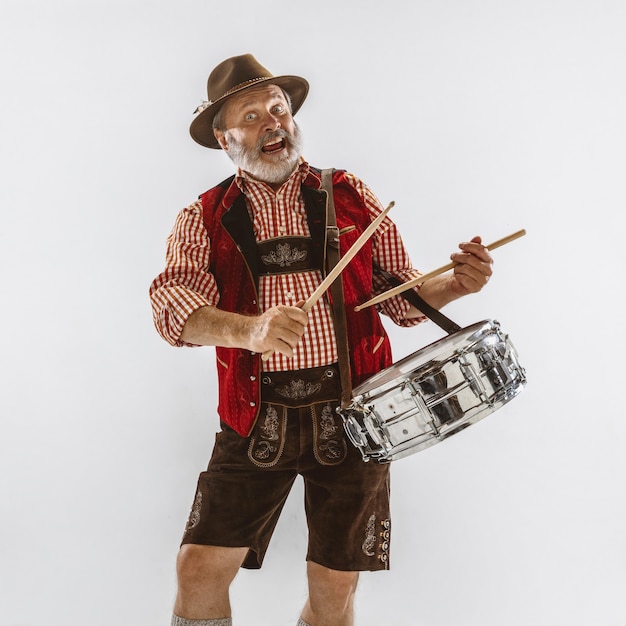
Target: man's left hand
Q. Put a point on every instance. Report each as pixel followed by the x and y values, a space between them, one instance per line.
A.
pixel 475 267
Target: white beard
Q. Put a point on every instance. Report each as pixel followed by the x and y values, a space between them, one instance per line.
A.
pixel 250 160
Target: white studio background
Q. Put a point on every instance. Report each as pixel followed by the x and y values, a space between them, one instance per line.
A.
pixel 476 117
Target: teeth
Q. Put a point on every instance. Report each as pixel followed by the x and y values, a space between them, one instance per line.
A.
pixel 272 142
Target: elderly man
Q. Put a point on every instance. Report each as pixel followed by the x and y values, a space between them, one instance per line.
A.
pixel 240 263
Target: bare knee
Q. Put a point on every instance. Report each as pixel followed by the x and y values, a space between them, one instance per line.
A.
pixel 210 564
pixel 204 577
pixel 331 596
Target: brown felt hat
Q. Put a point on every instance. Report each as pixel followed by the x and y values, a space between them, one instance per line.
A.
pixel 231 77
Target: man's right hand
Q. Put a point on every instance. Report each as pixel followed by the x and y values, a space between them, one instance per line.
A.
pixel 279 329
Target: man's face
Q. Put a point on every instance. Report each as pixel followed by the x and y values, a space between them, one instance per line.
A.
pixel 261 137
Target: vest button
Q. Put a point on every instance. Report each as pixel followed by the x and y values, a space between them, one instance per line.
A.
pixel 252 378
pixel 252 403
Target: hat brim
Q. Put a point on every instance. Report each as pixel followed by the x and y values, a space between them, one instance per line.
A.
pixel 201 129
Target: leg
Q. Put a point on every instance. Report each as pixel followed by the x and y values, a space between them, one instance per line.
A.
pixel 347 508
pixel 204 577
pixel 331 596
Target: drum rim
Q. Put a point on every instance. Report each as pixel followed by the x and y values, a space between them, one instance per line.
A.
pixel 469 331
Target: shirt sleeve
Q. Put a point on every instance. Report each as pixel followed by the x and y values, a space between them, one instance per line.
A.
pixel 389 254
pixel 186 283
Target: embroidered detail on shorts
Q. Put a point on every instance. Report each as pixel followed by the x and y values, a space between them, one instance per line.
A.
pixel 269 428
pixel 284 256
pixel 298 389
pixel 370 537
pixel 268 437
pixel 329 441
pixel 194 516
pixel 328 423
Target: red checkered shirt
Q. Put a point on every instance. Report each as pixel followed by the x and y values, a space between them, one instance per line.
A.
pixel 185 284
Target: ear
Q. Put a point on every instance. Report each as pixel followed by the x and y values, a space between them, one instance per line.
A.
pixel 221 139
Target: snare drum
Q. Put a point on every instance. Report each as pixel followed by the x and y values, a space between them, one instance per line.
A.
pixel 434 393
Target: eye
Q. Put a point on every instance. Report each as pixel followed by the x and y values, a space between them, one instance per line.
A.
pixel 249 117
pixel 279 108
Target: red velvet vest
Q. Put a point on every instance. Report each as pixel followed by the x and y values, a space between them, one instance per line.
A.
pixel 234 264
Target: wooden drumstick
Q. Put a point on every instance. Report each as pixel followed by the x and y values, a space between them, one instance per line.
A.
pixel 341 265
pixel 422 279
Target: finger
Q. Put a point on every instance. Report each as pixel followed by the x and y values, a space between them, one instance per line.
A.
pixel 283 348
pixel 295 313
pixel 472 277
pixel 283 342
pixel 278 348
pixel 481 264
pixel 474 269
pixel 284 331
pixel 291 336
pixel 477 249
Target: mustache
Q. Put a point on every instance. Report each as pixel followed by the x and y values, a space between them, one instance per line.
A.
pixel 277 134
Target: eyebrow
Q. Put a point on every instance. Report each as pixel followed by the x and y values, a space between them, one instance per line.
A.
pixel 247 99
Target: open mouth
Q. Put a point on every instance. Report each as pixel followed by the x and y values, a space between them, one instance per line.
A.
pixel 273 146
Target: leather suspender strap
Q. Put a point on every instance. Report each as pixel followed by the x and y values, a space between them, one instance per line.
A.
pixel 336 292
pixel 445 323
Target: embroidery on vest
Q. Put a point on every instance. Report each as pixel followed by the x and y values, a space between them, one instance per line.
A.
pixel 284 255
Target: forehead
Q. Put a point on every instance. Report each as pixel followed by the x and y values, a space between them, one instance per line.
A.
pixel 255 96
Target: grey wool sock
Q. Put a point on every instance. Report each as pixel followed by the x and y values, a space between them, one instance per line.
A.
pixel 181 621
pixel 301 622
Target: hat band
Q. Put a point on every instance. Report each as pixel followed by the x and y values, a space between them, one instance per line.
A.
pixel 241 86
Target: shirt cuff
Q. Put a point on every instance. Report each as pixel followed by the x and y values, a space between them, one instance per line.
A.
pixel 170 319
pixel 396 308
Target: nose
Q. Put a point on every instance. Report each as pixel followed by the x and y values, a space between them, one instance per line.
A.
pixel 271 122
